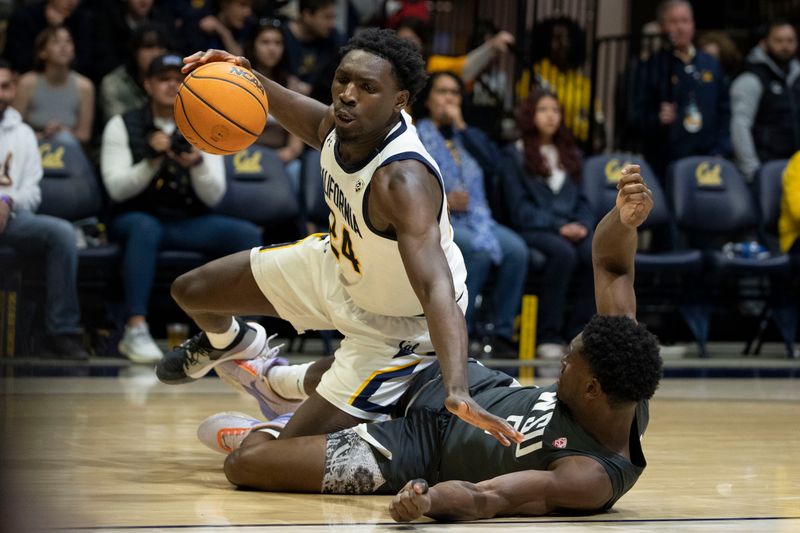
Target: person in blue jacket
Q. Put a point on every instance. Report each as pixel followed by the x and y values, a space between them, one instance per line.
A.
pixel 681 103
pixel 547 208
pixel 467 157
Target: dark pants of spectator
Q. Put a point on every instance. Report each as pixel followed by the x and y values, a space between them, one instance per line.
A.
pixel 795 249
pixel 509 281
pixel 567 263
pixel 143 235
pixel 54 238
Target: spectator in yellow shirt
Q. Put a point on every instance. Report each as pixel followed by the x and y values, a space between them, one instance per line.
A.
pixel 789 221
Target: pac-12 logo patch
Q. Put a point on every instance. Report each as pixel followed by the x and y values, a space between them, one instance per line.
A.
pixel 560 443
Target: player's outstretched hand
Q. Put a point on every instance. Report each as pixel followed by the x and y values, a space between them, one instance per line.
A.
pixel 634 199
pixel 211 55
pixel 465 408
pixel 411 502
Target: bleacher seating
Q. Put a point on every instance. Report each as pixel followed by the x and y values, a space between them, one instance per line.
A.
pixel 668 275
pixel 713 205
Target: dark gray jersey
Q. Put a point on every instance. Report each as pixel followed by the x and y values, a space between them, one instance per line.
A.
pixel 550 433
pixel 430 443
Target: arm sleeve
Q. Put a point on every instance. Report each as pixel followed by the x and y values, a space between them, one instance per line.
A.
pixel 123 179
pixel 482 148
pixel 525 213
pixel 745 97
pixel 583 212
pixel 28 196
pixel 446 64
pixel 208 179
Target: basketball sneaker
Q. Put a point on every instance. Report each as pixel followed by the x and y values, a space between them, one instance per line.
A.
pixel 225 432
pixel 196 356
pixel 250 376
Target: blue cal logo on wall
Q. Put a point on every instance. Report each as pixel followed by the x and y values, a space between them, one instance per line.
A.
pixel 708 175
pixel 246 163
pixel 52 159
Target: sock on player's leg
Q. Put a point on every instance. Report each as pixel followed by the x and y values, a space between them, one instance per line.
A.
pixel 224 339
pixel 287 381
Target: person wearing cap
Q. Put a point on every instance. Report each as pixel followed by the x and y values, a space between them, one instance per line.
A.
pixel 122 89
pixel 162 190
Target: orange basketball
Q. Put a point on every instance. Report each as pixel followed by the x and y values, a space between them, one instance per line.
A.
pixel 221 108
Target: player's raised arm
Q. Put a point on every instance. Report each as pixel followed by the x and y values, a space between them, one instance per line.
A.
pixel 614 245
pixel 576 483
pixel 406 198
pixel 300 115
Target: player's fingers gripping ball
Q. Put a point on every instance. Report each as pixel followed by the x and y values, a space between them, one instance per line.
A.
pixel 221 108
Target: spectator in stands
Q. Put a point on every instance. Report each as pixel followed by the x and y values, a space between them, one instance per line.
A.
pixel 266 53
pixel 765 101
pixel 28 21
pixel 121 20
pixel 29 233
pixel 54 99
pixel 464 154
pixel 681 102
pixel 559 55
pixel 541 185
pixel 227 29
pixel 312 44
pixel 720 46
pixel 162 189
pixel 122 89
pixel 488 102
pixel 468 66
pixel 789 221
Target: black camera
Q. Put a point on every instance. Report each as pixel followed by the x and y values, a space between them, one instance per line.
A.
pixel 179 143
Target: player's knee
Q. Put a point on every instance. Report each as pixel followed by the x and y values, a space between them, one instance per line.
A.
pixel 233 469
pixel 187 290
pixel 237 470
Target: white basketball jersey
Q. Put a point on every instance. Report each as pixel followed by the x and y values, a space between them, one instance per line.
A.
pixel 369 262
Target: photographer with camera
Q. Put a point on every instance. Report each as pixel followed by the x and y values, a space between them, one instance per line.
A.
pixel 162 190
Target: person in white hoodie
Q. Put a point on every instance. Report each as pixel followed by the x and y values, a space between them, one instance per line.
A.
pixel 765 101
pixel 30 233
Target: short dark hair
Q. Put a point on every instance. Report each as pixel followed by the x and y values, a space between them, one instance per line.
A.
pixel 666 5
pixel 408 67
pixel 420 110
pixel 623 356
pixel 5 65
pixel 775 23
pixel 150 34
pixel 314 5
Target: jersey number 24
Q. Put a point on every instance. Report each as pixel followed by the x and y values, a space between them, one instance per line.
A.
pixel 346 249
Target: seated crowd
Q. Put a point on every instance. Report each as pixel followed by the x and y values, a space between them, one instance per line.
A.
pixel 516 201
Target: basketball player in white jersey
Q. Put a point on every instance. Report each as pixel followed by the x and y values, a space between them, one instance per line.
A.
pixel 387 275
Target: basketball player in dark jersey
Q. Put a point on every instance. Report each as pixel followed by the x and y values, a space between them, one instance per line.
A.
pixel 581 436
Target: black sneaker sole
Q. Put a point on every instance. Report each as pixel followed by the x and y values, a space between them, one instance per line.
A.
pixel 172 380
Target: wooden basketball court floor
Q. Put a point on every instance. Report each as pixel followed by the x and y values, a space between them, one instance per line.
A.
pixel 120 454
